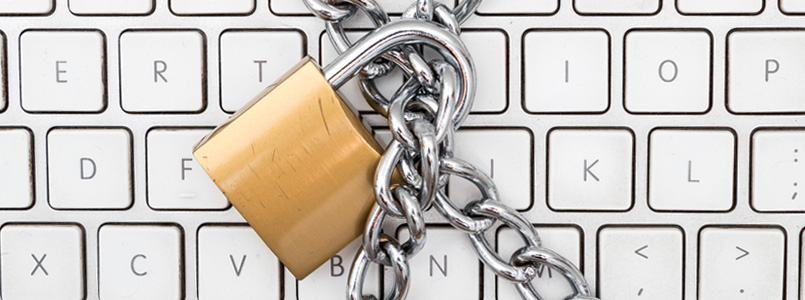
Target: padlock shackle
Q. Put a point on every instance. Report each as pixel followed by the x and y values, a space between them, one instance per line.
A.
pixel 406 32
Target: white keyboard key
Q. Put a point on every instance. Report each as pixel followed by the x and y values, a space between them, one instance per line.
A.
pixel 352 89
pixel 112 7
pixel 253 60
pixel 549 282
pixel 640 263
pixel 505 155
pixel 624 7
pixel 446 268
pixel 691 170
pixel 490 49
pixel 566 71
pixel 398 7
pixel 766 71
pixel 89 168
pixel 140 262
pixel 741 263
pixel 212 7
pixel 288 7
pixel 26 7
pixel 175 179
pixel 330 280
pixel 3 70
pixel 492 68
pixel 518 7
pixel 778 170
pixel 792 6
pixel 234 263
pixel 42 262
pixel 590 169
pixel 16 179
pixel 293 7
pixel 162 71
pixel 719 6
pixel 667 71
pixel 63 71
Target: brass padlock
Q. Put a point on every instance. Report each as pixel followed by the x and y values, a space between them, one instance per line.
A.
pixel 297 163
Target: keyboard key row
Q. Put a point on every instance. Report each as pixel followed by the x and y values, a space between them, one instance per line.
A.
pixel 161 71
pixel 582 7
pixel 128 7
pixel 733 262
pixel 665 71
pixel 289 7
pixel 134 262
pixel 690 169
pixel 147 261
pixel 636 262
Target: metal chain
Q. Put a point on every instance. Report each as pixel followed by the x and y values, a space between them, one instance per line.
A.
pixel 423 115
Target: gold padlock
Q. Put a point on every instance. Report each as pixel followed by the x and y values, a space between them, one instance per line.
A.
pixel 297 163
pixel 299 167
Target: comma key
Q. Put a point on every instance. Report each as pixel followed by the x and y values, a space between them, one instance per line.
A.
pixel 630 260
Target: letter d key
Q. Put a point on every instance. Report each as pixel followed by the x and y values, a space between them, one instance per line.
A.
pixel 295 161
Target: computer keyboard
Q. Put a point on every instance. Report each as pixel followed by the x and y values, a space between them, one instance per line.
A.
pixel 656 144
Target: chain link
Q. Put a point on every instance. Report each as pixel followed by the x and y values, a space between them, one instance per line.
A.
pixel 423 115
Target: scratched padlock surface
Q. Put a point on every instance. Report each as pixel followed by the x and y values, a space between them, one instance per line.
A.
pixel 299 167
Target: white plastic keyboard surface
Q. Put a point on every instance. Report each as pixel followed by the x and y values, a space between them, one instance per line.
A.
pixel 660 145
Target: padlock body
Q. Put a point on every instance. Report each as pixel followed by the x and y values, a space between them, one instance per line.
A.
pixel 298 165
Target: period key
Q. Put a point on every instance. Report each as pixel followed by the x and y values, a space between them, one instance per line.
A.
pixel 741 263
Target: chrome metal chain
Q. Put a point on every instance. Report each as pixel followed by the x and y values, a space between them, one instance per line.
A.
pixel 423 115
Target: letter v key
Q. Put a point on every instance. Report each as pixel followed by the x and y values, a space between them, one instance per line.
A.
pixel 234 266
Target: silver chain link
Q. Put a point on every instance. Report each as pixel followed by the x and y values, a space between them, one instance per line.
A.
pixel 423 115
